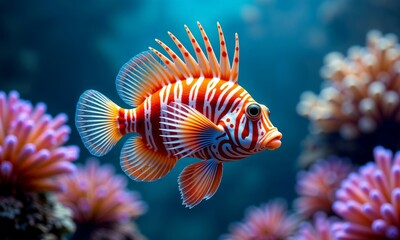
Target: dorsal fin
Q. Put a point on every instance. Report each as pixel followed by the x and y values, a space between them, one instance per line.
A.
pixel 143 75
pixel 140 77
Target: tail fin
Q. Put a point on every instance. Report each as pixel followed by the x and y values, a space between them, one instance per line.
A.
pixel 96 119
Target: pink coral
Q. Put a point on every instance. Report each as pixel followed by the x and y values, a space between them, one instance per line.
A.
pixel 319 229
pixel 359 104
pixel 369 201
pixel 362 91
pixel 31 151
pixel 267 222
pixel 316 187
pixel 97 196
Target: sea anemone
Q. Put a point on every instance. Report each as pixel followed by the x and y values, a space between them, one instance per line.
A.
pixel 319 229
pixel 267 222
pixel 31 151
pixel 100 203
pixel 317 186
pixel 359 106
pixel 369 200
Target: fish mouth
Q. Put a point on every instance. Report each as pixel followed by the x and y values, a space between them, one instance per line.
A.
pixel 272 140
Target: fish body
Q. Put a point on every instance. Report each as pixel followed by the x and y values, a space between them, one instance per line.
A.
pixel 181 108
pixel 219 101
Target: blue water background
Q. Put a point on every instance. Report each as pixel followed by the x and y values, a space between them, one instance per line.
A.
pixel 52 51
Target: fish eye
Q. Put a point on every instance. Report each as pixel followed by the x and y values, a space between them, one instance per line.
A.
pixel 253 110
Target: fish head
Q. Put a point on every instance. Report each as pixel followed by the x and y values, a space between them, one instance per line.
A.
pixel 250 130
pixel 268 136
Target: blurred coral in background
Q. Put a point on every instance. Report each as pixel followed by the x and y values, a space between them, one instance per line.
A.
pixel 319 229
pixel 317 186
pixel 369 201
pixel 359 106
pixel 269 221
pixel 102 206
pixel 52 48
pixel 31 151
pixel 31 158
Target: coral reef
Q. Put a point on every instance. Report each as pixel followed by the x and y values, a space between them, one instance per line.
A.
pixel 359 106
pixel 369 200
pixel 31 158
pixel 269 221
pixel 34 216
pixel 319 229
pixel 100 203
pixel 31 151
pixel 316 187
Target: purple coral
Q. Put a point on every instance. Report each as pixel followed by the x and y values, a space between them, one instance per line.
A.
pixel 31 151
pixel 99 201
pixel 369 201
pixel 269 221
pixel 316 187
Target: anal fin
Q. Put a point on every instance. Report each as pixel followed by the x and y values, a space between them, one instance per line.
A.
pixel 199 181
pixel 143 164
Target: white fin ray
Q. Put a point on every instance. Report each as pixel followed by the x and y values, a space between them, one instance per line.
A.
pixel 143 164
pixel 199 181
pixel 140 77
pixel 96 121
pixel 187 129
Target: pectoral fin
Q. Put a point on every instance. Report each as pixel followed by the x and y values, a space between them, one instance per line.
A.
pixel 187 130
pixel 199 181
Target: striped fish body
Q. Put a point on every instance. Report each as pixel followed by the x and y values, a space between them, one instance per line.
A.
pixel 218 100
pixel 200 94
pixel 181 108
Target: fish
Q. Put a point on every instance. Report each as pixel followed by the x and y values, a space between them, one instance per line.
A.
pixel 180 106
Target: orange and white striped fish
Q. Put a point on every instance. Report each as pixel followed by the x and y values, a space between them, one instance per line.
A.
pixel 181 108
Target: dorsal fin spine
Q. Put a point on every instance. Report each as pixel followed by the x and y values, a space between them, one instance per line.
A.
pixel 210 52
pixel 144 74
pixel 193 66
pixel 201 58
pixel 203 66
pixel 224 59
pixel 175 71
pixel 235 64
pixel 178 63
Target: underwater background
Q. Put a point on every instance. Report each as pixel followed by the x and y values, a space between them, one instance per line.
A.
pixel 52 51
